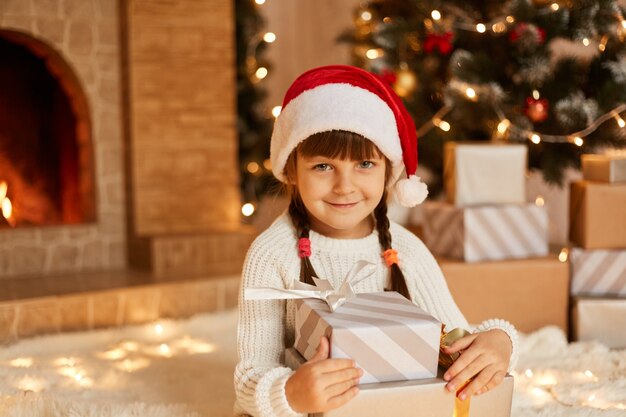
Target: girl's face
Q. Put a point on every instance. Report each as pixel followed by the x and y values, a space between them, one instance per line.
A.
pixel 340 195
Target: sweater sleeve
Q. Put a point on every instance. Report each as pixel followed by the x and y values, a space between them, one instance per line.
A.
pixel 429 289
pixel 260 376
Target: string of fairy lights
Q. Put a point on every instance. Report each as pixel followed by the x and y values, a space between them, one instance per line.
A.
pixel 497 26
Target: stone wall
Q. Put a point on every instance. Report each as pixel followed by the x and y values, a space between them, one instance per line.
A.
pixel 86 34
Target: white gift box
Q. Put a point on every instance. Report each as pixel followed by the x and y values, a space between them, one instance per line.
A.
pixel 484 173
pixel 485 233
pixel 598 271
pixel 422 397
pixel 601 319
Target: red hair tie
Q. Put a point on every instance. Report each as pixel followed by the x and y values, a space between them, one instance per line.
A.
pixel 304 247
pixel 391 257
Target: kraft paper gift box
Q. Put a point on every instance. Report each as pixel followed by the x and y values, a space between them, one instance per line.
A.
pixel 424 398
pixel 530 293
pixel 604 168
pixel 598 271
pixel 485 233
pixel 598 215
pixel 487 173
pixel 599 318
pixel 388 336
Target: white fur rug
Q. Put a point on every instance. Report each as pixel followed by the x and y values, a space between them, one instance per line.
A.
pixel 184 369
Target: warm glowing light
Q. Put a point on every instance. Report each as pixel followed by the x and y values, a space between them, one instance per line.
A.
pixel 539 201
pixel 158 328
pixel 113 354
pixel 22 362
pixel 269 37
pixel 435 14
pixel 498 27
pixel 563 255
pixel 481 28
pixel 65 362
pixel 529 373
pixel 535 138
pixel 591 398
pixel 132 365
pixel 267 164
pixel 443 125
pixel 261 73
pixel 554 6
pixel 585 41
pixel 536 94
pixel 578 141
pixel 602 47
pixel 624 24
pixel 503 126
pixel 374 53
pixel 588 374
pixel 470 93
pixel 78 377
pixel 247 209
pixel 130 346
pixel 7 208
pixel 367 16
pixel 538 392
pixel 276 111
pixel 620 121
pixel 253 167
pixel 510 19
pixel 3 190
pixel 547 380
pixel 259 2
pixel 28 383
pixel 164 349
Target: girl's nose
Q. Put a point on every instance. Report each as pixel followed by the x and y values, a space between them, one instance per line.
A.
pixel 344 183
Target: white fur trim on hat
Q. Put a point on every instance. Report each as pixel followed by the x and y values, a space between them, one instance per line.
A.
pixel 411 191
pixel 338 106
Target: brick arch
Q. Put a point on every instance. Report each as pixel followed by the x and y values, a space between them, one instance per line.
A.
pixel 77 196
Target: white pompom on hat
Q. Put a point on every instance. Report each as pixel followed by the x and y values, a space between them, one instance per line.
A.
pixel 341 97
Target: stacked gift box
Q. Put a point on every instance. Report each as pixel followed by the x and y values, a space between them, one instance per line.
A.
pixel 491 243
pixel 397 345
pixel 598 258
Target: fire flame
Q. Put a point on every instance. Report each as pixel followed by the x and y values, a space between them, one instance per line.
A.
pixel 5 203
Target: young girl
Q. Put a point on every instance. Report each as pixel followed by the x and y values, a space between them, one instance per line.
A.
pixel 342 140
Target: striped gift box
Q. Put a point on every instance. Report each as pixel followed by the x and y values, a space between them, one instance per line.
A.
pixel 598 271
pixel 388 336
pixel 486 233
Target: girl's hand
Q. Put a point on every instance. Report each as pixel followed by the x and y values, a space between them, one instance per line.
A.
pixel 322 384
pixel 485 356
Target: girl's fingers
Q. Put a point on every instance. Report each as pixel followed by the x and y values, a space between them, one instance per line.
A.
pixel 473 368
pixel 478 382
pixel 322 352
pixel 334 365
pixel 341 387
pixel 461 363
pixel 495 380
pixel 462 343
pixel 341 399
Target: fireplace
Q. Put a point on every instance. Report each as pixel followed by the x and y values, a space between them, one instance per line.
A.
pixel 46 163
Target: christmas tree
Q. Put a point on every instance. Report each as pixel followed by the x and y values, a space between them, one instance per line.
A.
pixel 552 74
pixel 255 121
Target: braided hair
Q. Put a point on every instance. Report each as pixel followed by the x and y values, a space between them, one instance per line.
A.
pixel 344 145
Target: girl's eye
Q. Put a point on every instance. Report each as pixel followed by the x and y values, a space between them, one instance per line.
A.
pixel 321 167
pixel 366 164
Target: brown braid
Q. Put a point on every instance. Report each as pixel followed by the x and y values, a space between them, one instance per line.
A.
pixel 301 222
pixel 398 282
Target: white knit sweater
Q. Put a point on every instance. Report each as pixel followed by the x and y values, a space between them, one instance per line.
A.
pixel 266 327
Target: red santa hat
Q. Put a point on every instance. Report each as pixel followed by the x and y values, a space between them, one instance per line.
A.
pixel 341 97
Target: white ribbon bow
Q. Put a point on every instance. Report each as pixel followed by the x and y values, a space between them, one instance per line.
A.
pixel 322 289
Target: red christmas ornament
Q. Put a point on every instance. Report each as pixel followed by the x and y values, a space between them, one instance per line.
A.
pixel 390 77
pixel 536 110
pixel 523 29
pixel 441 42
